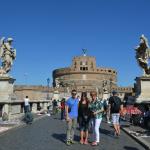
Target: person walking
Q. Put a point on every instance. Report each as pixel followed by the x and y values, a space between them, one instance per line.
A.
pixel 71 110
pixel 84 118
pixel 116 107
pixel 63 109
pixel 96 110
pixel 106 110
pixel 55 106
pixel 28 116
pixel 26 104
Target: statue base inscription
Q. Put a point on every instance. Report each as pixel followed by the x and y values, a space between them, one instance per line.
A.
pixel 142 89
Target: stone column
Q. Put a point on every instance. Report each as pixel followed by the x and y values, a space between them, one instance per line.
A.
pixel 34 107
pixel 6 108
pixel 41 105
pixel 45 105
pixel 6 91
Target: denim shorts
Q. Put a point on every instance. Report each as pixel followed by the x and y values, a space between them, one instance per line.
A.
pixel 115 118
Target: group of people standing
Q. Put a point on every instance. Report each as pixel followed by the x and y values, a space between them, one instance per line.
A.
pixel 89 115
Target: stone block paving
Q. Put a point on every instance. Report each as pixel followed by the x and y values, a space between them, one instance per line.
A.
pixel 49 133
pixel 7 125
pixel 140 134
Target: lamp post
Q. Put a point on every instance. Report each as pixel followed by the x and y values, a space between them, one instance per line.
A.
pixel 110 85
pixel 48 81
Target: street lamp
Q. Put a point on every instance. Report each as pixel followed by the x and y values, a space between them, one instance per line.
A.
pixel 110 83
pixel 48 81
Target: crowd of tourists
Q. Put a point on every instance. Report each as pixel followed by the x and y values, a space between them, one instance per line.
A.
pixel 89 113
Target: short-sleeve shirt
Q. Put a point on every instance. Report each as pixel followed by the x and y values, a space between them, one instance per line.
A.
pixel 115 108
pixel 26 102
pixel 73 105
pixel 96 106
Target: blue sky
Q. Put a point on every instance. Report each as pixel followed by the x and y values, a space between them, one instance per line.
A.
pixel 48 33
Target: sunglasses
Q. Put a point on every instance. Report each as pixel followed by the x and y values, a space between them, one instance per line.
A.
pixel 74 93
pixel 92 94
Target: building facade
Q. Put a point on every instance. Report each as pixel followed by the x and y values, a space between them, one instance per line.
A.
pixel 83 74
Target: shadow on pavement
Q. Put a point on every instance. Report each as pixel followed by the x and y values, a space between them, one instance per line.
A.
pixel 62 137
pixel 130 148
pixel 106 132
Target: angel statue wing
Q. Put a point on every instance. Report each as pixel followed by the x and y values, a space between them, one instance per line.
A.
pixel 1 46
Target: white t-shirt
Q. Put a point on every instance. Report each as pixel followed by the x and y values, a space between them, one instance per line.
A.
pixel 26 101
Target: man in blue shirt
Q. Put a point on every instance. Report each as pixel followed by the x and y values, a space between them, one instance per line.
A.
pixel 71 108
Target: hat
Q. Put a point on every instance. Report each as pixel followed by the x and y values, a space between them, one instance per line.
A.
pixel 114 92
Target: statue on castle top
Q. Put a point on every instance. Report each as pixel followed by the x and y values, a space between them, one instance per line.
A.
pixel 7 55
pixel 143 55
pixel 84 51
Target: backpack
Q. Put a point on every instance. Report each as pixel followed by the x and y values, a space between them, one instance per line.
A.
pixel 116 103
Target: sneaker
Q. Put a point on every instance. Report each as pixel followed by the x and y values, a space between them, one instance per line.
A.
pixel 72 142
pixel 68 143
pixel 108 122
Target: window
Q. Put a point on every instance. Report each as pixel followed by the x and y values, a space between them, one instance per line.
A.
pixel 92 65
pixel 83 68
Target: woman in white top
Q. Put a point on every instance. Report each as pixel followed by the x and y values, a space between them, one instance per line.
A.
pixel 26 104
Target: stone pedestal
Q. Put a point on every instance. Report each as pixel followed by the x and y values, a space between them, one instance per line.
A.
pixel 6 90
pixel 142 89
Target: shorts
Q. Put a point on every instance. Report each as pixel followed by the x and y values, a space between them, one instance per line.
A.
pixel 83 125
pixel 115 118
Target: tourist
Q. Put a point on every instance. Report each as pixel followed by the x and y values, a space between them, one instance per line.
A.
pixel 28 116
pixel 78 97
pixel 96 110
pixel 71 107
pixel 26 104
pixel 106 110
pixel 115 106
pixel 63 109
pixel 55 105
pixel 83 118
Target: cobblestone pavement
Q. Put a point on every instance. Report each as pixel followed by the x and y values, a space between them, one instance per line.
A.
pixel 48 133
pixel 7 125
pixel 140 134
